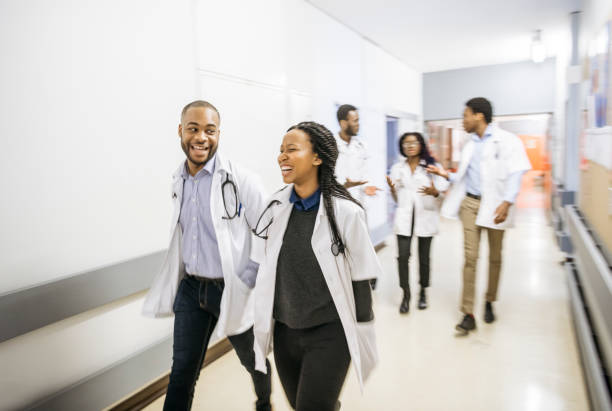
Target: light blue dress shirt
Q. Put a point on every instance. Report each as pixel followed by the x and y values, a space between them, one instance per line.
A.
pixel 472 174
pixel 200 247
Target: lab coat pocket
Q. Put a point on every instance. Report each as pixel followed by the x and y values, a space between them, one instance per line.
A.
pixel 430 203
pixel 368 352
pixel 243 289
pixel 159 301
pixel 403 218
pixel 239 310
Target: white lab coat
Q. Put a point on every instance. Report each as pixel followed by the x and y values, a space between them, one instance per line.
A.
pixel 503 154
pixel 352 163
pixel 360 263
pixel 426 208
pixel 234 240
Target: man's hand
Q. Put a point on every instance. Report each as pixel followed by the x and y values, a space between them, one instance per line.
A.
pixel 371 190
pixel 350 183
pixel 437 170
pixel 429 191
pixel 501 212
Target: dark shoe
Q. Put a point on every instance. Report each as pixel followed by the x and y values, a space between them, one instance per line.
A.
pixel 422 300
pixel 263 407
pixel 466 325
pixel 373 283
pixel 489 317
pixel 405 305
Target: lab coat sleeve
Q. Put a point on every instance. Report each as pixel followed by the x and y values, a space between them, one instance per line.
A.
pixel 341 172
pixel 440 183
pixel 513 186
pixel 253 198
pixel 362 259
pixel 249 275
pixel 516 157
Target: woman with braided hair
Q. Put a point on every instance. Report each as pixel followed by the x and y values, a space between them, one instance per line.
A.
pixel 312 297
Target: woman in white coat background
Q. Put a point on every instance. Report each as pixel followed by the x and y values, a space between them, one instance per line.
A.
pixel 418 213
pixel 312 296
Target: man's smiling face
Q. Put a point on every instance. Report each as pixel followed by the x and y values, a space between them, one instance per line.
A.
pixel 199 133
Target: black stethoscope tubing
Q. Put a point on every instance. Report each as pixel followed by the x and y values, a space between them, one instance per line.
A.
pixel 335 247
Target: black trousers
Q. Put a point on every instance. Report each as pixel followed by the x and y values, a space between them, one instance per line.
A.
pixel 403 245
pixel 196 311
pixel 312 364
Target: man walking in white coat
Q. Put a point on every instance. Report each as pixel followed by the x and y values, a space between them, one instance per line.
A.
pixel 207 276
pixel 353 155
pixel 483 190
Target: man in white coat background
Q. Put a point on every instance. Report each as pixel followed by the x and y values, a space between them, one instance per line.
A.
pixel 483 190
pixel 207 276
pixel 353 155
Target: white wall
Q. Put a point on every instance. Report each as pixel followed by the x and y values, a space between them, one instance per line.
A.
pixel 91 94
pixel 89 103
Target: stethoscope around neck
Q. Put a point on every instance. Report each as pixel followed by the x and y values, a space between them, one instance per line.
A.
pixel 336 246
pixel 229 186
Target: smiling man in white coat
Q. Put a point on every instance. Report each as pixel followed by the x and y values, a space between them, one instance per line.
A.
pixel 482 195
pixel 207 276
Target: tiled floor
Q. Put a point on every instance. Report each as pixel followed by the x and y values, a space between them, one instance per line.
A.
pixel 526 361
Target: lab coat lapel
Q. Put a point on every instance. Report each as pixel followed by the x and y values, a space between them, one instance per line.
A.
pixel 281 214
pixel 177 196
pixel 466 157
pixel 321 235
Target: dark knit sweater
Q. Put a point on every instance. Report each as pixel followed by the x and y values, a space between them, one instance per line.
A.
pixel 301 297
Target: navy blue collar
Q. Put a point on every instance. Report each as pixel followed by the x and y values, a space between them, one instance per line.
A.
pixel 306 204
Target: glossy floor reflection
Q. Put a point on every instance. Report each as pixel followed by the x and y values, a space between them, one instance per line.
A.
pixel 527 360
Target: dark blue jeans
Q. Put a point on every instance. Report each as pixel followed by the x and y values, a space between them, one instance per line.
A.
pixel 196 311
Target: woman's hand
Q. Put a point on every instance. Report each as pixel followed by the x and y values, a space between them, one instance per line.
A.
pixel 429 191
pixel 392 187
pixel 390 183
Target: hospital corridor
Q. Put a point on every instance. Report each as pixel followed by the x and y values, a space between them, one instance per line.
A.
pixel 306 205
pixel 527 361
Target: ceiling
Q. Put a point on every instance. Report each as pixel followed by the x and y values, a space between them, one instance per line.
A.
pixel 435 35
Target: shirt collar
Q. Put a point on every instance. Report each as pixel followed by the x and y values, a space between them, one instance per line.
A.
pixel 306 204
pixel 208 168
pixel 354 141
pixel 487 134
pixel 340 141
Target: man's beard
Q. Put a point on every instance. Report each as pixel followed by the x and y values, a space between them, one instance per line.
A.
pixel 211 154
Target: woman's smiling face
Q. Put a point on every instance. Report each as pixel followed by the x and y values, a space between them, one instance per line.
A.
pixel 297 161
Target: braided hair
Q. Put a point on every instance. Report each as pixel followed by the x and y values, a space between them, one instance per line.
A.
pixel 325 147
